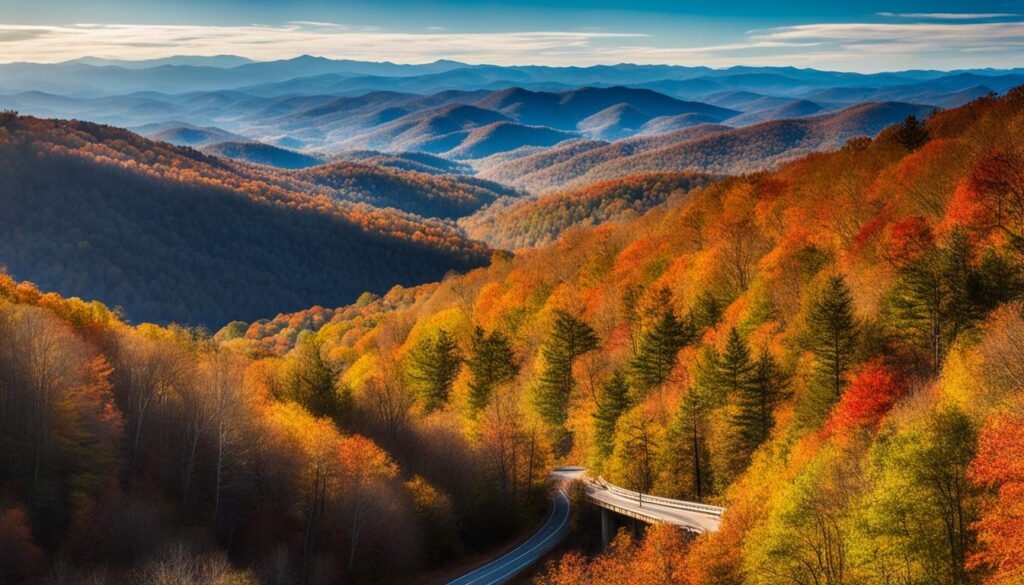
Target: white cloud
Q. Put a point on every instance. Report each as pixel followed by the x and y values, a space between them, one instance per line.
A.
pixel 939 44
pixel 58 43
pixel 949 15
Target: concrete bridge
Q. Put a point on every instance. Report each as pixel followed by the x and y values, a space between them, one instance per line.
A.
pixel 618 503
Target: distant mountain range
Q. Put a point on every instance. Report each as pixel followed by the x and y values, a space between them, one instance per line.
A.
pixel 453 123
pixel 308 75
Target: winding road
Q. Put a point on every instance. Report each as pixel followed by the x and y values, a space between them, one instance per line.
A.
pixel 692 516
pixel 511 563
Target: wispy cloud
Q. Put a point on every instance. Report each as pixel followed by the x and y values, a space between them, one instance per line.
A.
pixel 949 15
pixel 937 43
pixel 57 43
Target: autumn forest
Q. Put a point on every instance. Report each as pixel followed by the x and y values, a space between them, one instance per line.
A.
pixel 351 342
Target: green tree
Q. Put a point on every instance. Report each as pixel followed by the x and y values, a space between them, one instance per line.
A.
pixel 614 401
pixel 804 540
pixel 832 334
pixel 492 362
pixel 636 446
pixel 684 462
pixel 312 382
pixel 754 417
pixel 911 133
pixel 708 311
pixel 569 339
pixel 916 521
pixel 659 347
pixel 435 365
pixel 941 295
pixel 734 368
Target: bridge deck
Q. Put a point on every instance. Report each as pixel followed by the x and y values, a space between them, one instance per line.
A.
pixel 700 518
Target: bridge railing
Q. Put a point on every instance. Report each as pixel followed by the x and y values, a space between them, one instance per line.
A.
pixel 666 502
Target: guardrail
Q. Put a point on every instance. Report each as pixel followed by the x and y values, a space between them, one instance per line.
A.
pixel 666 502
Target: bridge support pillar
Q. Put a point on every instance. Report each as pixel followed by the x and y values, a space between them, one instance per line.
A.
pixel 606 528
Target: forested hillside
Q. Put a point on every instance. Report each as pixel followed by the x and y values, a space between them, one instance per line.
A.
pixel 264 154
pixel 511 224
pixel 171 234
pixel 831 351
pixel 150 455
pixel 425 194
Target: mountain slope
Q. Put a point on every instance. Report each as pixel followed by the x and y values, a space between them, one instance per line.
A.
pixel 189 135
pixel 787 110
pixel 566 110
pixel 505 136
pixel 541 171
pixel 716 150
pixel 264 154
pixel 172 234
pixel 513 224
pixel 425 194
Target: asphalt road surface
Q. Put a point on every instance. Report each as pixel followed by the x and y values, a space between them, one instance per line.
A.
pixel 511 563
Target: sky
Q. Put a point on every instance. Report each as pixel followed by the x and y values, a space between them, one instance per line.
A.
pixel 851 35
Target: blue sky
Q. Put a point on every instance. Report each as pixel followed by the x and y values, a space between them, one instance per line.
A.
pixel 869 35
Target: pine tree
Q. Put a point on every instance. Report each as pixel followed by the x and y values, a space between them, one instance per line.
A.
pixel 312 382
pixel 911 133
pixel 658 350
pixel 684 462
pixel 569 339
pixel 754 417
pixel 735 368
pixel 492 362
pixel 435 365
pixel 613 402
pixel 940 296
pixel 832 334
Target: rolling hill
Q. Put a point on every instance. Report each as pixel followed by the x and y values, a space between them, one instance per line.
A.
pixel 784 111
pixel 264 154
pixel 406 161
pixel 181 134
pixel 584 154
pixel 711 149
pixel 567 110
pixel 425 194
pixel 169 233
pixel 525 223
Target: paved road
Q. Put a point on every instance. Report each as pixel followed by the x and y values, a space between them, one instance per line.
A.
pixel 524 555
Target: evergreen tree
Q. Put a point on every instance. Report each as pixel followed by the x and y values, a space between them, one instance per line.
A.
pixel 735 369
pixel 941 295
pixel 435 365
pixel 911 133
pixel 684 462
pixel 491 363
pixel 614 401
pixel 569 339
pixel 658 349
pixel 832 334
pixel 311 381
pixel 708 311
pixel 754 417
